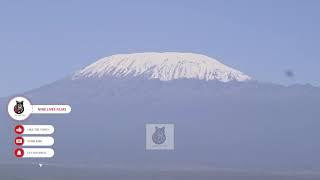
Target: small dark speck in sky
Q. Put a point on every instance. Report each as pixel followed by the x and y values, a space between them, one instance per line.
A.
pixel 289 73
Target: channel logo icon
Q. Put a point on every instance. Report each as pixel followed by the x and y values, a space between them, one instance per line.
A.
pixel 159 136
pixel 19 129
pixel 19 108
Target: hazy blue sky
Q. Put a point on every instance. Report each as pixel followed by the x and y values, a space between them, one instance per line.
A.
pixel 42 41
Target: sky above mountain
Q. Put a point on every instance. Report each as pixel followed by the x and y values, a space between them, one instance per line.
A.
pixel 275 41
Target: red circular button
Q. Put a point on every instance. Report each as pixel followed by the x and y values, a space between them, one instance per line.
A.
pixel 19 129
pixel 19 141
pixel 19 153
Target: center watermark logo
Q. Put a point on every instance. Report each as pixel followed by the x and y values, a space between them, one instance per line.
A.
pixel 160 136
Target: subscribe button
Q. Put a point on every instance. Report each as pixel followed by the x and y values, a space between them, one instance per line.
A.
pixel 34 141
pixel 34 153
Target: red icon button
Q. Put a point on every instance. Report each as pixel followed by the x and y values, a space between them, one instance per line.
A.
pixel 19 153
pixel 19 129
pixel 19 141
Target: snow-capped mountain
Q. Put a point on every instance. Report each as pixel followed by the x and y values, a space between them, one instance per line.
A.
pixel 163 66
pixel 240 124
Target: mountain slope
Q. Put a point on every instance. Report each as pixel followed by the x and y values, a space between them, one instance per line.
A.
pixel 238 125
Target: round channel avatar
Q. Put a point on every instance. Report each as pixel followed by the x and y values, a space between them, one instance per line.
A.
pixel 19 108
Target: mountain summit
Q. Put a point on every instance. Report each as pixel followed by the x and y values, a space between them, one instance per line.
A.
pixel 163 66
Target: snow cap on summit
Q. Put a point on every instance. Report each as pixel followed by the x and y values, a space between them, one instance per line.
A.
pixel 163 66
